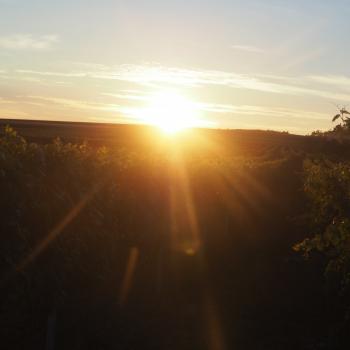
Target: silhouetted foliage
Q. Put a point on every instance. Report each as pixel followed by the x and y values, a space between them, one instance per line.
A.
pixel 210 229
pixel 327 185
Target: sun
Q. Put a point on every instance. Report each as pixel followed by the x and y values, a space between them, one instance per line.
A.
pixel 171 112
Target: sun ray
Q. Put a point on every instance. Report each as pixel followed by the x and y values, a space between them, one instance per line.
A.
pixel 185 229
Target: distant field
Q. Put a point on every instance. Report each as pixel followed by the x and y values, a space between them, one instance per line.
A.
pixel 135 136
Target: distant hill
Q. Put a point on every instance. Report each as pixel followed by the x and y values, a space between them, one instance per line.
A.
pixel 236 141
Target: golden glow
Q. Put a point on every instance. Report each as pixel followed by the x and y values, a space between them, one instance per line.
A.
pixel 171 112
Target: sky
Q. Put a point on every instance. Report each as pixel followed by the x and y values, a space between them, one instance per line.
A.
pixel 277 65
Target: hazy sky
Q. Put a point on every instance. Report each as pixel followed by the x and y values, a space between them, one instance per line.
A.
pixel 245 64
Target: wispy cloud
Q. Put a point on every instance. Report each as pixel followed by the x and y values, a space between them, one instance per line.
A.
pixel 265 117
pixel 332 80
pixel 70 103
pixel 148 74
pixel 52 74
pixel 129 96
pixel 299 86
pixel 151 75
pixel 9 109
pixel 231 109
pixel 4 101
pixel 6 113
pixel 157 76
pixel 262 111
pixel 247 48
pixel 27 41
